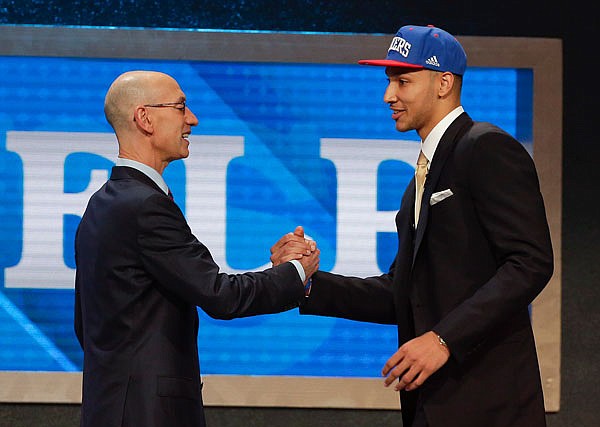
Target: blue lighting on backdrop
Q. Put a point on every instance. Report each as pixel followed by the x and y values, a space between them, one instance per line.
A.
pixel 276 177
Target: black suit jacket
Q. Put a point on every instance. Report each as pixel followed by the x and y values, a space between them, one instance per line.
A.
pixel 140 275
pixel 469 272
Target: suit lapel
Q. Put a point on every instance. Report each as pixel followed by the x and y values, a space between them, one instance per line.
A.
pixel 442 152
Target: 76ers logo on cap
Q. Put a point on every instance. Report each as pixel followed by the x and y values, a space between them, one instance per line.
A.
pixel 401 46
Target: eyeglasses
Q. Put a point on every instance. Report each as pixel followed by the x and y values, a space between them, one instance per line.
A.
pixel 177 105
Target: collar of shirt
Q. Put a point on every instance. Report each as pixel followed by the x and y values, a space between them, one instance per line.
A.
pixel 433 139
pixel 146 170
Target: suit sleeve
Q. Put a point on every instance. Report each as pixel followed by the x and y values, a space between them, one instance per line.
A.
pixel 183 267
pixel 506 196
pixel 366 300
pixel 78 316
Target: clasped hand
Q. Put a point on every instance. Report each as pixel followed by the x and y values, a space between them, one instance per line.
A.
pixel 295 246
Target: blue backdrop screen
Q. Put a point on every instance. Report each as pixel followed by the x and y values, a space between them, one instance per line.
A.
pixel 278 145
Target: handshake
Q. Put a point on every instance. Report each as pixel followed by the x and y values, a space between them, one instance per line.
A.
pixel 294 246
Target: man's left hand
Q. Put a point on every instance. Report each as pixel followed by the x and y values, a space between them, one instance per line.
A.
pixel 415 361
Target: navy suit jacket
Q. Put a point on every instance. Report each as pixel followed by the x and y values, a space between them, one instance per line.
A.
pixel 469 271
pixel 140 276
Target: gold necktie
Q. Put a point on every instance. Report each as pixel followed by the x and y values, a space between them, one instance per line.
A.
pixel 420 174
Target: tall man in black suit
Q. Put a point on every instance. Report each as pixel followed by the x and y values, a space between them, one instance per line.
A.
pixel 472 255
pixel 141 273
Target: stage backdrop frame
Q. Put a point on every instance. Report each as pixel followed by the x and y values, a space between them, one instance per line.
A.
pixel 542 55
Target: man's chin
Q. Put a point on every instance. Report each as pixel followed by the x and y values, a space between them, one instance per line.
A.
pixel 185 151
pixel 182 155
pixel 401 127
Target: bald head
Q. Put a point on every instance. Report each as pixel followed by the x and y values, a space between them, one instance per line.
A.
pixel 129 90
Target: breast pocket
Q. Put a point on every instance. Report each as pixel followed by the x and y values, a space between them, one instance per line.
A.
pixel 440 196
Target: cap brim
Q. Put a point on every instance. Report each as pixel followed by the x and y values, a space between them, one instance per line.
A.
pixel 389 63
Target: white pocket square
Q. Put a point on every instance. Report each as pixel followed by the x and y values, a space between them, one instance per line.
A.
pixel 439 196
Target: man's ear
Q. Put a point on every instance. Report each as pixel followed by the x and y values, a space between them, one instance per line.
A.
pixel 446 84
pixel 142 120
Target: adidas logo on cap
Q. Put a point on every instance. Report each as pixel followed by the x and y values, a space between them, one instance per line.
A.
pixel 433 61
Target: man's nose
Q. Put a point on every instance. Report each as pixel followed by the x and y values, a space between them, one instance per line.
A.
pixel 389 95
pixel 190 117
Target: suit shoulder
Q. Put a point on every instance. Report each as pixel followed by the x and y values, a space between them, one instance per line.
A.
pixel 132 191
pixel 482 129
pixel 125 198
pixel 487 136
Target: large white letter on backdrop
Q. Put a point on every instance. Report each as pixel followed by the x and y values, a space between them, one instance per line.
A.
pixel 358 220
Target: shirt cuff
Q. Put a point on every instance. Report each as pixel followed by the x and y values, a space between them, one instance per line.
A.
pixel 300 269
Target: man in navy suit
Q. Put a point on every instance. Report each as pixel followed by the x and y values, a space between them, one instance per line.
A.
pixel 473 254
pixel 141 273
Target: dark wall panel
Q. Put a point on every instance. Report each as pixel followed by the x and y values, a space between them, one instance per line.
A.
pixel 581 208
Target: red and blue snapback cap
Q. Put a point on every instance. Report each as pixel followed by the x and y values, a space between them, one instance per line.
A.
pixel 426 47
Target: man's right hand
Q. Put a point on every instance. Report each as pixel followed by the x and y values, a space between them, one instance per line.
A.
pixel 294 246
